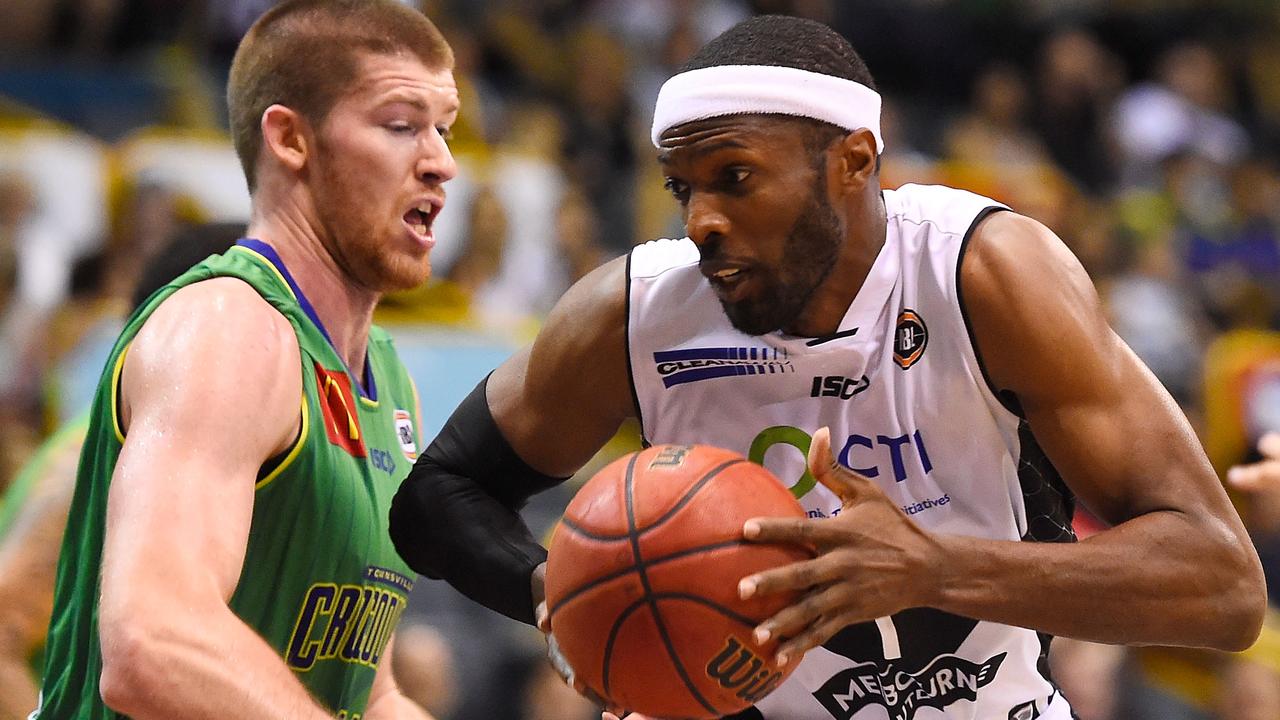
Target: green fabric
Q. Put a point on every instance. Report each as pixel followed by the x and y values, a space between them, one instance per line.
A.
pixel 321 582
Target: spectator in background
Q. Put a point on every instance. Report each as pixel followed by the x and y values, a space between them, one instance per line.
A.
pixel 1076 83
pixel 1184 110
pixel 995 132
pixel 598 148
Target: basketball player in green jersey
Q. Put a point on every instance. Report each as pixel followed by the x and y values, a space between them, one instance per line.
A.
pixel 229 555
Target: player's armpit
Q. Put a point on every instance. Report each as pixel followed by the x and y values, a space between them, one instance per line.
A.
pixel 210 389
pixel 558 401
pixel 1178 567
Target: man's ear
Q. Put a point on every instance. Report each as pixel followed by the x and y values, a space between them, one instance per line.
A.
pixel 856 159
pixel 286 137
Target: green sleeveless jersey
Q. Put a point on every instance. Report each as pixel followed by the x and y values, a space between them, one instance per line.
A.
pixel 321 581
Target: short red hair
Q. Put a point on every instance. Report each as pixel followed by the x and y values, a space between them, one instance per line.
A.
pixel 304 54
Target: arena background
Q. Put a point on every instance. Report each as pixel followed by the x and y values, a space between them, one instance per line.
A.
pixel 1146 133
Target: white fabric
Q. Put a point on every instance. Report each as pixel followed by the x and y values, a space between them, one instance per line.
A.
pixel 931 435
pixel 765 89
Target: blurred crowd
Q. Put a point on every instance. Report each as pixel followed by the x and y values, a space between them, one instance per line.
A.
pixel 1146 133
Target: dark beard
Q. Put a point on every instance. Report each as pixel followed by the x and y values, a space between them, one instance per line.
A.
pixel 809 255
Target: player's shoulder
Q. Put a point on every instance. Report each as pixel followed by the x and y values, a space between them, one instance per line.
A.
pixel 222 319
pixel 656 257
pixel 951 210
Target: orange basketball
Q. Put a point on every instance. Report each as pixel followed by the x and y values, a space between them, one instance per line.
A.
pixel 642 582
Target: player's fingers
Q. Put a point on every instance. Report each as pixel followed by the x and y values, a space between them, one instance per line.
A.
pixel 1258 476
pixel 795 576
pixel 796 531
pixel 797 620
pixel 845 483
pixel 814 635
pixel 542 617
pixel 1269 445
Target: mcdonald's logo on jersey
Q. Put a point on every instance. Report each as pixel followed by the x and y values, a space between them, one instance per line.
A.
pixel 338 406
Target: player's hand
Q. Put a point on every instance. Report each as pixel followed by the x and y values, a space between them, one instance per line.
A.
pixel 564 669
pixel 1263 475
pixel 872 561
pixel 1261 480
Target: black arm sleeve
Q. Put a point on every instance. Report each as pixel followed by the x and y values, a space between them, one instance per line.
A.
pixel 456 516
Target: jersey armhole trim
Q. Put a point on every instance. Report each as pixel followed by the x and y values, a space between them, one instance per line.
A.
pixel 303 430
pixel 631 376
pixel 116 373
pixel 964 312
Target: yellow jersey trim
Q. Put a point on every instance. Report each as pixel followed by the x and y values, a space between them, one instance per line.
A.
pixel 293 454
pixel 116 372
pixel 269 265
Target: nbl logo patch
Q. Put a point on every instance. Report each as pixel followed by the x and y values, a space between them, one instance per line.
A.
pixel 405 434
pixel 910 337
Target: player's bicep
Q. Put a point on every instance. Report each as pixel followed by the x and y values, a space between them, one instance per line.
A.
pixel 560 399
pixel 1110 428
pixel 205 403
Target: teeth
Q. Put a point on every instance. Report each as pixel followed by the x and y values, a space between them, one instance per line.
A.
pixel 420 229
pixel 727 273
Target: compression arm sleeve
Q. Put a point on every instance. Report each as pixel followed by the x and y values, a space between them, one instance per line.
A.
pixel 456 516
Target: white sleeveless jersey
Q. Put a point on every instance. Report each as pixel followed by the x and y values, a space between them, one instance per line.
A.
pixel 906 398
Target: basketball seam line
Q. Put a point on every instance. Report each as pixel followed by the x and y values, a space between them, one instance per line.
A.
pixel 597 582
pixel 688 496
pixel 644 576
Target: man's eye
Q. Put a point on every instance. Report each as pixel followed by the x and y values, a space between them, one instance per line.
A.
pixel 737 175
pixel 678 189
pixel 446 133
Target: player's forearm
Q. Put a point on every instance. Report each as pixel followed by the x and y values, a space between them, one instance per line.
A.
pixel 1160 579
pixel 395 706
pixel 207 667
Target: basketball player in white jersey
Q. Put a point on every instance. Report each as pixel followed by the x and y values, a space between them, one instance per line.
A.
pixel 943 361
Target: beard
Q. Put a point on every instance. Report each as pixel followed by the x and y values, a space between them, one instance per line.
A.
pixel 809 255
pixel 368 249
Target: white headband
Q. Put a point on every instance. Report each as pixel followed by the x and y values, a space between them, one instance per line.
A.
pixel 766 89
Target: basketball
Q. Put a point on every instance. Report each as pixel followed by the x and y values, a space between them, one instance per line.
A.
pixel 642 582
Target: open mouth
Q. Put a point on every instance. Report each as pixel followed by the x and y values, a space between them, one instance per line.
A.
pixel 420 218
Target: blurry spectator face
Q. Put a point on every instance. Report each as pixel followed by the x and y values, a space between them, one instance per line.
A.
pixel 763 222
pixel 379 167
pixel 1001 96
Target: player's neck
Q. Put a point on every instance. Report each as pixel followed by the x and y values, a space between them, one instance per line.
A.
pixel 830 302
pixel 344 307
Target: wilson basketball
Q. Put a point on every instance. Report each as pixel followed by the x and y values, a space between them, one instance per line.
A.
pixel 642 582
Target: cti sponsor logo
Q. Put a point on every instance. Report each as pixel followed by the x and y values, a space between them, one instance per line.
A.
pixel 338 407
pixel 926 504
pixel 945 681
pixel 677 367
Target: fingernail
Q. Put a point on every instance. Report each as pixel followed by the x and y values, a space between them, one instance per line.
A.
pixel 783 659
pixel 762 635
pixel 746 588
pixel 751 529
pixel 1234 475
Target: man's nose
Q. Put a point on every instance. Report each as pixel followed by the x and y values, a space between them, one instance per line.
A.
pixel 435 163
pixel 705 220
